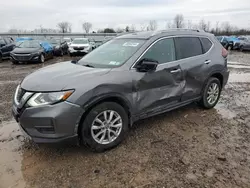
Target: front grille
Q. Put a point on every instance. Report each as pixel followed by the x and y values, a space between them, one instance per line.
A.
pixel 78 48
pixel 22 58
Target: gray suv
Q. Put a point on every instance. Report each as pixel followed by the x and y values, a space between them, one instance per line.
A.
pixel 97 99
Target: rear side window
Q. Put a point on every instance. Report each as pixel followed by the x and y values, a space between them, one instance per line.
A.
pixel 206 43
pixel 162 51
pixel 187 47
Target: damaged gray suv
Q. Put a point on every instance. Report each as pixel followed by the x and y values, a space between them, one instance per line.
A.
pixel 97 99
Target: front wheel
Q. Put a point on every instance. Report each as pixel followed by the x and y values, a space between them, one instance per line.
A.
pixel 105 126
pixel 42 58
pixel 211 93
pixel 241 48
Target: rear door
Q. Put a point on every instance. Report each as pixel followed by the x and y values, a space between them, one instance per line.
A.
pixel 194 62
pixel 162 88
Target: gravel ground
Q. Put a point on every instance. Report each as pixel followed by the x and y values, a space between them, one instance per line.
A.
pixel 188 147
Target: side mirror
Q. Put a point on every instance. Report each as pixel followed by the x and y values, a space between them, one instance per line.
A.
pixel 147 65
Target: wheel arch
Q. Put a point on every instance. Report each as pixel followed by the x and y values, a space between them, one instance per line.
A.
pixel 105 98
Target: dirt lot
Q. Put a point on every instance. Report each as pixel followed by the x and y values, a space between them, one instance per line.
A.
pixel 188 147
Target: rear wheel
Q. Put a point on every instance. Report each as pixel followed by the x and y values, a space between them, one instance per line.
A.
pixel 1 58
pixel 211 93
pixel 105 126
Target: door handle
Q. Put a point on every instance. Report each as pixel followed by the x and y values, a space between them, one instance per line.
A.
pixel 207 62
pixel 175 71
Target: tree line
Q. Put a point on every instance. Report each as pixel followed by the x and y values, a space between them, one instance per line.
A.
pixel 223 28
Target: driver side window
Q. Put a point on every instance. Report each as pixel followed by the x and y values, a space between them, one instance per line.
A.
pixel 162 51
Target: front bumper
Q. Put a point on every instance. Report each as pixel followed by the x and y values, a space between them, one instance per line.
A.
pixel 25 58
pixel 236 46
pixel 50 123
pixel 73 51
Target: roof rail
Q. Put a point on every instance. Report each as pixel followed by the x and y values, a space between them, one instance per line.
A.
pixel 176 29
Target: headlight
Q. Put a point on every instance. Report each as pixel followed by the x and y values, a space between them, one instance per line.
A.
pixel 40 99
pixel 36 53
pixel 87 48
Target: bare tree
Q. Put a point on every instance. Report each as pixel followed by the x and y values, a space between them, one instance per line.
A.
pixel 217 27
pixel 132 28
pixel 152 26
pixel 226 27
pixel 204 25
pixel 179 21
pixel 86 26
pixel 169 25
pixel 143 26
pixel 189 24
pixel 64 27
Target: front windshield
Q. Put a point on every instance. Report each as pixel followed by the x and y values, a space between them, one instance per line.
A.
pixel 80 41
pixel 30 44
pixel 112 54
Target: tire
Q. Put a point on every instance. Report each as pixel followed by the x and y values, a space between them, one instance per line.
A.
pixel 1 58
pixel 42 58
pixel 88 130
pixel 229 47
pixel 241 48
pixel 61 53
pixel 15 62
pixel 205 103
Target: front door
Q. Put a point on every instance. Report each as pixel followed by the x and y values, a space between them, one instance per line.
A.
pixel 156 90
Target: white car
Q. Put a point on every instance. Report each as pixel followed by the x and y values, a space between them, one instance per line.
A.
pixel 68 40
pixel 80 46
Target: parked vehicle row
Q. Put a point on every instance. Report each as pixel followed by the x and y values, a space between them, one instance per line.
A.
pixel 235 43
pixel 23 48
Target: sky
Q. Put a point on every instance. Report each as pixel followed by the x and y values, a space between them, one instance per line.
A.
pixel 31 14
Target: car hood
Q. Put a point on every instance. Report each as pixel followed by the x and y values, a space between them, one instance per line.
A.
pixel 25 50
pixel 60 76
pixel 79 45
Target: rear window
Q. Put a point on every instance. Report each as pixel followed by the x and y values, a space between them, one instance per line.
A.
pixel 206 43
pixel 187 47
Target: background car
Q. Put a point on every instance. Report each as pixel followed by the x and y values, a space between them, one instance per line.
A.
pixel 80 46
pixel 236 42
pixel 6 46
pixel 245 43
pixel 225 42
pixel 60 46
pixel 93 44
pixel 68 40
pixel 32 51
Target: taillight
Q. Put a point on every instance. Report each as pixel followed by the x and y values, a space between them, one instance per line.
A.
pixel 224 53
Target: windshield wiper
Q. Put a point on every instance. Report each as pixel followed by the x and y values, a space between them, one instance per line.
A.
pixel 88 65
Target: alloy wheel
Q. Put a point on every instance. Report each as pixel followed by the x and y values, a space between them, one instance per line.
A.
pixel 106 127
pixel 213 93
